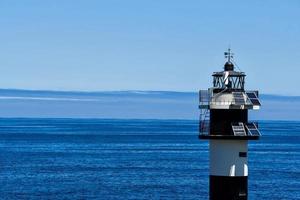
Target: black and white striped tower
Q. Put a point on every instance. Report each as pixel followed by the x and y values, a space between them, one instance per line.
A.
pixel 224 122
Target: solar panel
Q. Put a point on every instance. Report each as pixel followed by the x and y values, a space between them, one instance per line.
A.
pixel 255 102
pixel 252 129
pixel 251 95
pixel 238 98
pixel 251 125
pixel 254 132
pixel 238 129
pixel 253 98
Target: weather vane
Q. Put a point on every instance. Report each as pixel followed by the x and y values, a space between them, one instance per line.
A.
pixel 228 55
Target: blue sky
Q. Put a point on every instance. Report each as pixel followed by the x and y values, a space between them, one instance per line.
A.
pixel 147 45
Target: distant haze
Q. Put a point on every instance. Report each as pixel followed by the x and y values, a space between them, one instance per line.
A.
pixel 128 104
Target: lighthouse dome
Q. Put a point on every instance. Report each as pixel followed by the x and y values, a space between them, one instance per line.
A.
pixel 229 66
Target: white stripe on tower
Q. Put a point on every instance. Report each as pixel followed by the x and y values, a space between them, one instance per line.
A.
pixel 228 170
pixel 225 158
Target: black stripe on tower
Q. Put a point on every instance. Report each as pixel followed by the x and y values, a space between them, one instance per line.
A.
pixel 228 187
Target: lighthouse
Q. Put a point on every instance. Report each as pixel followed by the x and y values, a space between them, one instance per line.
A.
pixel 224 123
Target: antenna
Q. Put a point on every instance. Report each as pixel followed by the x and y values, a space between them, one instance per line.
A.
pixel 228 55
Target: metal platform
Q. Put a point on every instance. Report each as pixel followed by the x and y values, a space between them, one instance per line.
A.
pixel 227 137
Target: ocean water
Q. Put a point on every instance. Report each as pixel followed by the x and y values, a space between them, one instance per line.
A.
pixel 134 159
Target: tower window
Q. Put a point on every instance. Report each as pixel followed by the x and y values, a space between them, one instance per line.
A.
pixel 243 154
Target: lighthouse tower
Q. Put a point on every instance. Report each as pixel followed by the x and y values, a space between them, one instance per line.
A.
pixel 224 122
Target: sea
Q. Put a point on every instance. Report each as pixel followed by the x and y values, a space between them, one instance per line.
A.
pixel 134 159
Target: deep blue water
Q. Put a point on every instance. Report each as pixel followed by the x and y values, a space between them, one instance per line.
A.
pixel 134 159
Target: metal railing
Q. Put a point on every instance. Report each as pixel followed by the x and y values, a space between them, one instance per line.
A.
pixel 204 97
pixel 204 128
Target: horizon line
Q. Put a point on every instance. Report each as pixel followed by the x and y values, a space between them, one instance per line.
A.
pixel 120 91
pixel 137 119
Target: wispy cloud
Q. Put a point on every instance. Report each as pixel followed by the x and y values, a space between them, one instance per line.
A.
pixel 45 98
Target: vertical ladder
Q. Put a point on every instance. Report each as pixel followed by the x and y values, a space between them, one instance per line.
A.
pixel 204 121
